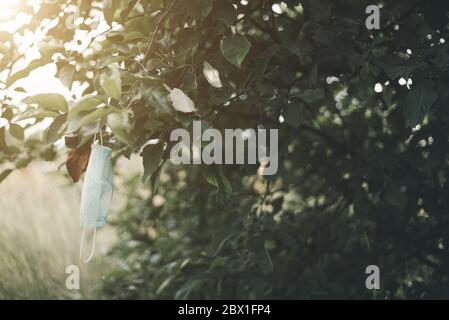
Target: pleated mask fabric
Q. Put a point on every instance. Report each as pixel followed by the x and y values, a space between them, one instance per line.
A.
pixel 97 191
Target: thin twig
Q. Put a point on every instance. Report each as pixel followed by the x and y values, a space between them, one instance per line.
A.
pixel 156 29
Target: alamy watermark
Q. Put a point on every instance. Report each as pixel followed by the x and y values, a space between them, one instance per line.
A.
pixel 209 147
pixel 372 282
pixel 72 282
pixel 373 20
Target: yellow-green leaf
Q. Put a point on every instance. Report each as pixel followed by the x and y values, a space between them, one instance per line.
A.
pixel 87 103
pixel 180 101
pixel 49 101
pixel 212 75
pixel 17 131
pixel 120 126
pixel 112 82
pixel 92 117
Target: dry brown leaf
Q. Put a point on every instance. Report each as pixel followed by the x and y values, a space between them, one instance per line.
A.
pixel 77 161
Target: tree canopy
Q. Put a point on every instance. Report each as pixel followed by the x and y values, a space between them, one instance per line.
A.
pixel 363 139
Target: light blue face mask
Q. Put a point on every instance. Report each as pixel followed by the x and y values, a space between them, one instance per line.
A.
pixel 97 192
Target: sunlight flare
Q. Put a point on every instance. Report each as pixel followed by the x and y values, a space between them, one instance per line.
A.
pixel 7 8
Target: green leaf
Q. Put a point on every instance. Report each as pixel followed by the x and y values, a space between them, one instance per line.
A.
pixel 261 61
pixel 266 261
pixel 293 115
pixel 153 125
pixel 33 113
pixel 313 75
pixel 3 144
pixel 7 113
pixel 180 101
pixel 112 82
pixel 17 131
pixel 109 9
pixel 226 13
pixel 102 63
pixel 87 103
pixel 212 75
pixel 157 98
pixel 90 118
pixel 4 49
pixel 66 74
pixel 223 242
pixel 215 177
pixel 312 95
pixel 155 177
pixel 56 130
pixel 5 174
pixel 262 256
pixel 211 178
pixel 20 89
pixel 133 36
pixel 152 156
pixel 120 126
pixel 395 196
pixel 5 36
pixel 235 48
pixel 418 103
pixel 128 7
pixel 164 284
pixel 49 101
pixel 200 8
pixel 320 9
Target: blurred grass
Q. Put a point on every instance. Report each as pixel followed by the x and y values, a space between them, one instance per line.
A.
pixel 40 236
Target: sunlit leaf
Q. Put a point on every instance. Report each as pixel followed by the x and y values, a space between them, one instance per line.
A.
pixel 121 128
pixel 112 82
pixel 66 74
pixel 87 103
pixel 49 101
pixel 212 75
pixel 5 174
pixel 33 113
pixel 56 129
pixel 180 101
pixel 110 8
pixel 91 118
pixel 17 131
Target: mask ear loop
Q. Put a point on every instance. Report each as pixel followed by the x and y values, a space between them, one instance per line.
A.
pixel 82 244
pixel 101 138
pixel 83 237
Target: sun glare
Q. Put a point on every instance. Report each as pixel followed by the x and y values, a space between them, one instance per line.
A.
pixel 7 8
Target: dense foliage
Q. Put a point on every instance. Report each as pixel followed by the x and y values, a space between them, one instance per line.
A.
pixel 363 173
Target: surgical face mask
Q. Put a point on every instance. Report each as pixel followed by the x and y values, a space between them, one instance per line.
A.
pixel 97 192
